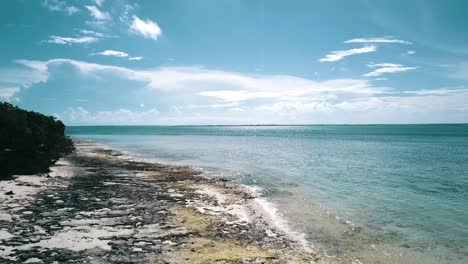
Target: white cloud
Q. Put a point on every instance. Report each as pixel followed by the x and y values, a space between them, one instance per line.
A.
pixel 98 24
pixel 261 98
pixel 232 86
pixel 147 29
pixel 8 93
pixel 411 52
pixel 114 53
pixel 430 102
pixel 431 108
pixel 60 6
pixel 377 65
pixel 378 40
pixel 285 108
pixel 237 109
pixel 94 69
pixel 239 96
pixel 91 32
pixel 223 105
pixel 33 72
pixel 217 83
pixel 81 116
pixel 99 2
pixel 94 33
pixel 383 68
pixel 365 110
pixel 39 66
pixel 338 55
pixel 71 40
pixel 98 14
pixel 442 91
pixel 70 10
pixel 128 9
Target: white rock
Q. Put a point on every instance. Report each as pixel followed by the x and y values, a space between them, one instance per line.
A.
pixel 5 235
pixel 33 260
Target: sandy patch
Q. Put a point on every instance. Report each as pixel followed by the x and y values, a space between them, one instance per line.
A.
pixel 6 217
pixel 81 238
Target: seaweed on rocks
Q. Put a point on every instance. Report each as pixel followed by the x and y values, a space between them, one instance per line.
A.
pixel 98 206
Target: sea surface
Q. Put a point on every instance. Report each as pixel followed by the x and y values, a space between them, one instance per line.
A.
pixel 376 193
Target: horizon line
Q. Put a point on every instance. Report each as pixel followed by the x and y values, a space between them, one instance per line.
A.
pixel 239 125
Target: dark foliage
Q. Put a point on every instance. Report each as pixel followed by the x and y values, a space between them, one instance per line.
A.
pixel 30 142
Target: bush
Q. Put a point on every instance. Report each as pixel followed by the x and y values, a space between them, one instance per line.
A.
pixel 30 142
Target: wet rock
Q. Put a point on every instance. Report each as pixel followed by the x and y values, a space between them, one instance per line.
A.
pixel 125 211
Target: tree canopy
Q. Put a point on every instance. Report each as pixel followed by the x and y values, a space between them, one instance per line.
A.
pixel 30 142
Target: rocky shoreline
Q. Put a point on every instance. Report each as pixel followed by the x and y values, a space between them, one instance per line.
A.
pixel 99 206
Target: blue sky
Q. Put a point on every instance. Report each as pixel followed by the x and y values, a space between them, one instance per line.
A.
pixel 236 62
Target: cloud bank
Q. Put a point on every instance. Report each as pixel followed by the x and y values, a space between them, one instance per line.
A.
pixel 248 98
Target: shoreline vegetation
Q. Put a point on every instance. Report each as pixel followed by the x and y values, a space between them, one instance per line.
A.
pixel 98 204
pixel 30 142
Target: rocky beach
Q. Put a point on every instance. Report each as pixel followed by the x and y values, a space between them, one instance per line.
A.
pixel 100 206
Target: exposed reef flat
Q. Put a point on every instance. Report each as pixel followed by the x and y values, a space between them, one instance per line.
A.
pixel 99 206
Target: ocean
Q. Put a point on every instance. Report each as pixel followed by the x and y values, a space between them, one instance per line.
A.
pixel 379 193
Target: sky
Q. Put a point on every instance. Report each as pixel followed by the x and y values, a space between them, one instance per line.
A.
pixel 121 62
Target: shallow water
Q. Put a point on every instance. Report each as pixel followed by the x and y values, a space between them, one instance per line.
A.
pixel 381 193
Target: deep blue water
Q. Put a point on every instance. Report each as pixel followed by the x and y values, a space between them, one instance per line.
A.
pixel 404 186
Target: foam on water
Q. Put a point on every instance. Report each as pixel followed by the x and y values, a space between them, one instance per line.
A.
pixel 277 219
pixel 262 207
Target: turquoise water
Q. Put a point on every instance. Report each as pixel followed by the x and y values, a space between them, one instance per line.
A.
pixel 379 193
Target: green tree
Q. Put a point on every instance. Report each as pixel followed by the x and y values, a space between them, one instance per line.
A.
pixel 30 142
